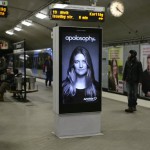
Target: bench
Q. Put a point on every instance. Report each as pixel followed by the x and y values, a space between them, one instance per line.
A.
pixel 18 89
pixel 19 94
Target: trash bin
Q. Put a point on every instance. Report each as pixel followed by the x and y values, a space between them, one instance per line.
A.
pixel 18 81
pixel 32 81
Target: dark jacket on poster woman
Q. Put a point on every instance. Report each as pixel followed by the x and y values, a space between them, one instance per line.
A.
pixel 80 96
pixel 133 71
pixel 111 83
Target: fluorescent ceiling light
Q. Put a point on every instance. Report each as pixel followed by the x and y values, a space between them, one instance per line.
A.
pixel 59 5
pixel 40 15
pixel 10 32
pixel 27 22
pixel 18 28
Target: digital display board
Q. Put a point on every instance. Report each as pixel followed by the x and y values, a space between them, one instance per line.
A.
pixel 80 52
pixel 3 11
pixel 77 15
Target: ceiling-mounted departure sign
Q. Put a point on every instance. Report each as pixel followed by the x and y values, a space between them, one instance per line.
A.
pixel 3 8
pixel 78 13
pixel 3 11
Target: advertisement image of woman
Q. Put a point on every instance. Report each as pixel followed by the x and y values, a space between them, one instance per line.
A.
pixel 113 78
pixel 80 85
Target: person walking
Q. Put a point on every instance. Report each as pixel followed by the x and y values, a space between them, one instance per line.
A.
pixel 48 65
pixel 132 76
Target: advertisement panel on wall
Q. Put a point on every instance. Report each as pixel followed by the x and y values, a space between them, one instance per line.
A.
pixel 115 62
pixel 145 60
pixel 3 44
pixel 80 69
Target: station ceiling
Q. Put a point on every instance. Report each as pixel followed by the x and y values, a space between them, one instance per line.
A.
pixel 134 24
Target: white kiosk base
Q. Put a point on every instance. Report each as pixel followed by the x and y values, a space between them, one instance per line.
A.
pixel 77 125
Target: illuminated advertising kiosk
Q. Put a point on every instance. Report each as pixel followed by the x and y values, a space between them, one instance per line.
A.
pixel 77 80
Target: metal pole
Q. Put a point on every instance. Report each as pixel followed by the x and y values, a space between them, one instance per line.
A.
pixel 25 94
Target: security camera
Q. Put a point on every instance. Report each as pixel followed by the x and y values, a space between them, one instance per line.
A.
pixel 93 2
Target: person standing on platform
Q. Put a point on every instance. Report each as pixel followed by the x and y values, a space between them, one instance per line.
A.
pixel 3 65
pixel 48 69
pixel 5 85
pixel 132 75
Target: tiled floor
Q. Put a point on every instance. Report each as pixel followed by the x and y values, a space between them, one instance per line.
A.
pixel 29 126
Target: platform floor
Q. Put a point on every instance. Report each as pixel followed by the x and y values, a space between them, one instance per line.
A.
pixel 29 126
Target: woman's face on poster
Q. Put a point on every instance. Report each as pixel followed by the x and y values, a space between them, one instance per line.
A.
pixel 80 65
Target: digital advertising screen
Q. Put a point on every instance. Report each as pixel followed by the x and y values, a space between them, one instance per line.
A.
pixel 80 69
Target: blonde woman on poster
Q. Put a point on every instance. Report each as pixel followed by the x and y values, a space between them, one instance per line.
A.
pixel 115 57
pixel 113 78
pixel 80 85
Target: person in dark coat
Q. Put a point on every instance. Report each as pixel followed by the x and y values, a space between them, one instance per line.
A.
pixel 146 79
pixel 5 85
pixel 132 75
pixel 48 69
pixel 3 65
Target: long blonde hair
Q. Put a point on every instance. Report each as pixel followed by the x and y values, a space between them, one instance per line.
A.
pixel 68 84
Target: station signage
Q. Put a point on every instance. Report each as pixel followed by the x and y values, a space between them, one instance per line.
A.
pixel 3 8
pixel 18 47
pixel 3 3
pixel 3 11
pixel 78 13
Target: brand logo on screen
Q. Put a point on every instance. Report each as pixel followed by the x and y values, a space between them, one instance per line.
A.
pixel 80 38
pixel 90 99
